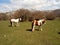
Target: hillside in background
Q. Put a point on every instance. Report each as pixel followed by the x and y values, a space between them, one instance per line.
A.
pixel 57 12
pixel 26 14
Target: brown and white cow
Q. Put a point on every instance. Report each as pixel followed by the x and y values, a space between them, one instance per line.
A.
pixel 38 23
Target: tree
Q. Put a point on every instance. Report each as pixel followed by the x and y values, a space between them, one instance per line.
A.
pixel 50 16
pixel 3 16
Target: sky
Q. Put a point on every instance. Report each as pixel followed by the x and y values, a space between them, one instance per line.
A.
pixel 11 5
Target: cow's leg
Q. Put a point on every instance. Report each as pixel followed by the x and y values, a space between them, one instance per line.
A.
pixel 38 28
pixel 41 28
pixel 33 27
pixel 12 24
pixel 17 24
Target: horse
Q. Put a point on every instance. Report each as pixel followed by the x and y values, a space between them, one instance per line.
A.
pixel 14 22
pixel 38 23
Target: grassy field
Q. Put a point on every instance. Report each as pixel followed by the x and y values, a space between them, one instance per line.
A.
pixel 22 35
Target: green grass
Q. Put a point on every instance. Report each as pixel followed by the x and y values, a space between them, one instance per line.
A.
pixel 22 36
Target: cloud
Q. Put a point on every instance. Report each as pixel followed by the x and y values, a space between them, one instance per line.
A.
pixel 4 8
pixel 31 4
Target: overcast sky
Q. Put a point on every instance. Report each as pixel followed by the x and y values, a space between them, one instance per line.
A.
pixel 10 5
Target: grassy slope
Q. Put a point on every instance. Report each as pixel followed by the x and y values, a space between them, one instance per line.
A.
pixel 22 36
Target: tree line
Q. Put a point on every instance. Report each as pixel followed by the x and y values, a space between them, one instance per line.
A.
pixel 29 15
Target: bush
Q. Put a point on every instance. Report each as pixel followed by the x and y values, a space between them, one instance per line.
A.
pixel 50 17
pixel 30 18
